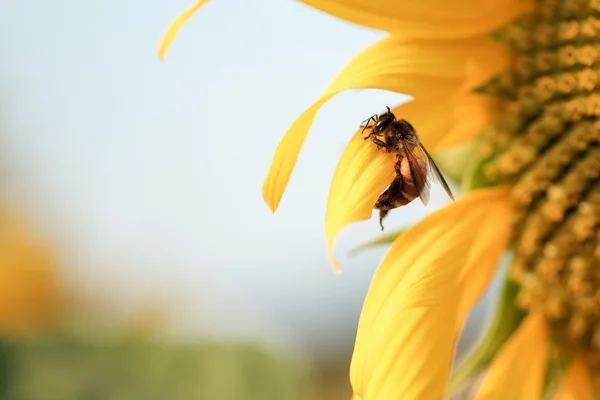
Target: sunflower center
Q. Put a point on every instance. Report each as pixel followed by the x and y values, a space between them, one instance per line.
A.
pixel 547 147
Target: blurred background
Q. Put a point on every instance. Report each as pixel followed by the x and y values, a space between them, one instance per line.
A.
pixel 137 258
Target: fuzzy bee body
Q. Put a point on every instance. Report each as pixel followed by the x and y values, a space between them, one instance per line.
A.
pixel 401 191
pixel 414 166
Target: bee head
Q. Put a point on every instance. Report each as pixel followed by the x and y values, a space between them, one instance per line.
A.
pixel 384 120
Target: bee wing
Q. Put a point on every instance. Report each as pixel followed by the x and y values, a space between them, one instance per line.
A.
pixel 417 160
pixel 434 172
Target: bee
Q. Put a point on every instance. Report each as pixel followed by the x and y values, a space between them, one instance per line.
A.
pixel 414 167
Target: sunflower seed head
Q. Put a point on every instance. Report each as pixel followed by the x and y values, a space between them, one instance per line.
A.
pixel 546 146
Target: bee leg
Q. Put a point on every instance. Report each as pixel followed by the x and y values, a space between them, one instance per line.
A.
pixel 382 214
pixel 381 144
pixel 363 131
pixel 368 120
pixel 371 118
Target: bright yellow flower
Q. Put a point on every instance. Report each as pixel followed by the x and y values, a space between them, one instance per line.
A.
pixel 27 280
pixel 537 82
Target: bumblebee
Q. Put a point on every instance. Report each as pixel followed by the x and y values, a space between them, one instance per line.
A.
pixel 415 169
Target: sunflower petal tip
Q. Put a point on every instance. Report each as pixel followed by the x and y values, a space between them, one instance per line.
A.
pixel 334 264
pixel 163 47
pixel 270 195
pixel 270 203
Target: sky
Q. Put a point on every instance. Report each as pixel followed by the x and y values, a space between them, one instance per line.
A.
pixel 148 174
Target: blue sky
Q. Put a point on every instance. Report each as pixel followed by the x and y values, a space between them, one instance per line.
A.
pixel 150 172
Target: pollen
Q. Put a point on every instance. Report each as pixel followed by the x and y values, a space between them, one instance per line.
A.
pixel 546 146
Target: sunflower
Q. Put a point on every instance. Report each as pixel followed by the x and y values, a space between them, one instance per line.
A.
pixel 522 78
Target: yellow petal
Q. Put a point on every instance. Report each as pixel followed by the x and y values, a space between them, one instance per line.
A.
pixel 481 265
pixel 435 69
pixel 577 383
pixel 444 123
pixel 176 26
pixel 404 346
pixel 362 173
pixel 517 371
pixel 427 18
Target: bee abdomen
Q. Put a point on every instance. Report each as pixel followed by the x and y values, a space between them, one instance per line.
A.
pixel 398 201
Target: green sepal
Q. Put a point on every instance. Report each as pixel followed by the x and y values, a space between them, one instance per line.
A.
pixel 508 34
pixel 380 241
pixel 453 161
pixel 501 35
pixel 497 35
pixel 474 177
pixel 505 321
pixel 488 88
pixel 554 372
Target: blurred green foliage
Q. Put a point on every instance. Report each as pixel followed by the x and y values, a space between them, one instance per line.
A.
pixel 75 369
